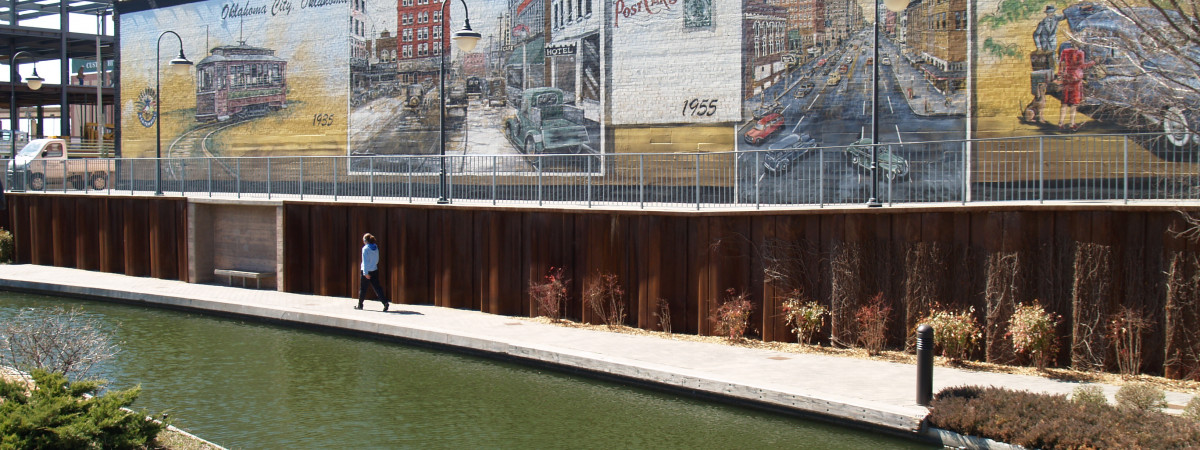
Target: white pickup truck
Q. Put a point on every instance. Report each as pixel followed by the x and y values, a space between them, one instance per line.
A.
pixel 44 161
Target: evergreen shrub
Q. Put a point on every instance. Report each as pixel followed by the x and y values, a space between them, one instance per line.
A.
pixel 57 414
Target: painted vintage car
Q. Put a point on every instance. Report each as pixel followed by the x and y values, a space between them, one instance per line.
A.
pixel 893 165
pixel 1135 83
pixel 787 151
pixel 764 128
pixel 544 124
pixel 803 89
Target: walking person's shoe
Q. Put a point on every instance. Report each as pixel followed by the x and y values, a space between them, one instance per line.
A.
pixel 359 306
pixel 385 306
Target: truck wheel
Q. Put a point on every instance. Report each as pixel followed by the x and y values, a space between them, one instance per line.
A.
pixel 531 148
pixel 99 181
pixel 38 182
pixel 76 182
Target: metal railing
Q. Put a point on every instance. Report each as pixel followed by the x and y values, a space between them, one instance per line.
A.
pixel 1077 167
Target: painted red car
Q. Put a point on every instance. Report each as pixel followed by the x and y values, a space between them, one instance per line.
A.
pixel 765 127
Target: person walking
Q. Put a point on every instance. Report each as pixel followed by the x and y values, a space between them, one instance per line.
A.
pixel 370 272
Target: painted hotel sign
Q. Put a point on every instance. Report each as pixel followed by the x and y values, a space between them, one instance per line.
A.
pixel 560 50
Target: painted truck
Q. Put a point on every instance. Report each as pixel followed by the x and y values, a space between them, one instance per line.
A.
pixel 43 161
pixel 544 124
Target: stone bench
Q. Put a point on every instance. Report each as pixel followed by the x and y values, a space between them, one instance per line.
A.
pixel 229 274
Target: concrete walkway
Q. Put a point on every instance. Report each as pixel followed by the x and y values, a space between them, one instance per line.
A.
pixel 876 394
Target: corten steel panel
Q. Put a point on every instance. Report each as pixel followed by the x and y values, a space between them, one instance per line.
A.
pixel 1181 320
pixel 63 227
pixel 331 243
pixel 640 248
pixel 1144 233
pixel 41 220
pixel 137 239
pixel 19 217
pixel 599 236
pixel 181 239
pixel 509 279
pixel 774 230
pixel 481 229
pixel 416 264
pixel 164 235
pixel 393 279
pixel 297 248
pixel 370 219
pixel 112 236
pixel 451 256
pixel 87 242
pixel 700 278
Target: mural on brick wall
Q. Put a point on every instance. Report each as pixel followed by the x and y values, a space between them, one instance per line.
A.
pixel 530 86
pixel 262 82
pixel 809 80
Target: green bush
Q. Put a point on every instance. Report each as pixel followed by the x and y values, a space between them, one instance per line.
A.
pixel 58 414
pixel 6 246
pixel 1192 410
pixel 1089 394
pixel 1052 421
pixel 1141 397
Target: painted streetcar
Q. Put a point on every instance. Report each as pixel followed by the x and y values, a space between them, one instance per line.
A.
pixel 239 81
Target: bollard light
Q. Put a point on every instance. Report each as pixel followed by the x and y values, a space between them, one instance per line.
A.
pixel 924 364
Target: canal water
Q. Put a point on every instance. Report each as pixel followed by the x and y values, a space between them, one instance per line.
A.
pixel 252 385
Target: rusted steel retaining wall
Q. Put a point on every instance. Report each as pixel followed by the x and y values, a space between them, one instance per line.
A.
pixel 1083 262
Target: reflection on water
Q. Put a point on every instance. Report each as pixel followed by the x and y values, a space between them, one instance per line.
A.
pixel 250 385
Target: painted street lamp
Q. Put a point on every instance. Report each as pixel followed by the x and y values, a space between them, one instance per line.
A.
pixel 466 39
pixel 178 65
pixel 34 82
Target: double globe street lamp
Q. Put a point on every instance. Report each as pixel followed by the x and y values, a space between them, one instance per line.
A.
pixel 179 65
pixel 466 39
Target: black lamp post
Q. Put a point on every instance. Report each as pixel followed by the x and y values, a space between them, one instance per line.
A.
pixel 34 82
pixel 466 39
pixel 179 64
pixel 893 5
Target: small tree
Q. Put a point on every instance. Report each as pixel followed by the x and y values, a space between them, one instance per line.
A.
pixel 55 340
pixel 806 319
pixel 732 318
pixel 6 246
pixel 606 299
pixel 1032 331
pixel 57 414
pixel 551 294
pixel 955 333
pixel 872 324
pixel 1089 394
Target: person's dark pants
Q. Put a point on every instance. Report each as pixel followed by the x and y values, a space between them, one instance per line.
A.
pixel 374 282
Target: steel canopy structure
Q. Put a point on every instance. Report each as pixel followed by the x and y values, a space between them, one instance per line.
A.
pixel 17 34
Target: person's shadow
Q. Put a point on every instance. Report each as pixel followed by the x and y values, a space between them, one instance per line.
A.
pixel 402 312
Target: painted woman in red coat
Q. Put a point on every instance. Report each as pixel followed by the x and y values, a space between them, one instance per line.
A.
pixel 1071 67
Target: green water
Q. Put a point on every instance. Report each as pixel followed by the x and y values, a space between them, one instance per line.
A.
pixel 250 385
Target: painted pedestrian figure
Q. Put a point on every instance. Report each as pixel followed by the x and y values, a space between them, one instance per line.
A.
pixel 1045 36
pixel 1070 76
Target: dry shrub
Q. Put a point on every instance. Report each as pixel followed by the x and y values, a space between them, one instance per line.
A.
pixel 927 269
pixel 1051 421
pixel 550 295
pixel 1126 329
pixel 1182 317
pixel 1141 397
pixel 1091 297
pixel 1192 410
pixel 872 321
pixel 56 340
pixel 606 299
pixel 805 319
pixel 664 315
pixel 1089 394
pixel 1004 286
pixel 847 289
pixel 955 333
pixel 732 318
